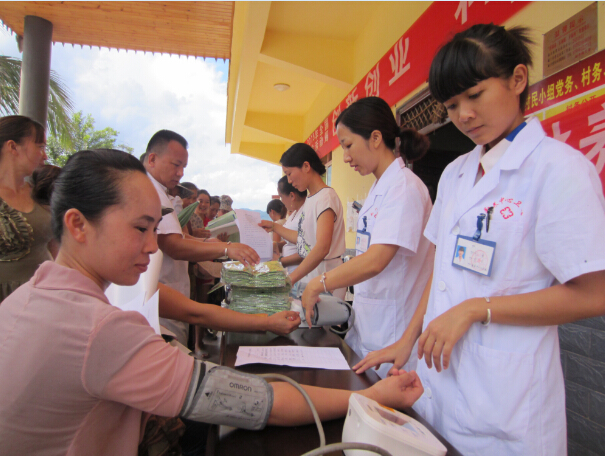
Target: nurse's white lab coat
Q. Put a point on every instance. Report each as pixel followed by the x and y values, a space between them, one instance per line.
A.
pixel 503 393
pixel 397 208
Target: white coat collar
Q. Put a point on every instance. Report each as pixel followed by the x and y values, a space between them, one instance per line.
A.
pixel 469 194
pixel 530 137
pixel 381 186
pixel 491 157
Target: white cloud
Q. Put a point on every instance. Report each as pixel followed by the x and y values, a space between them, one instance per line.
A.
pixel 138 94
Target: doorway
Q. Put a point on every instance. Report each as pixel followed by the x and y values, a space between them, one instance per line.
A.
pixel 447 144
pixel 426 115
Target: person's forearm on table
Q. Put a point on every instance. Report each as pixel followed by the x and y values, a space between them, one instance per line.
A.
pixel 291 409
pixel 176 306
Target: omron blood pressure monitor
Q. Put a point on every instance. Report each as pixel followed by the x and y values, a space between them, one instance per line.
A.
pixel 369 422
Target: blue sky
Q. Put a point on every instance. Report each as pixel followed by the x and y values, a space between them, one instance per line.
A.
pixel 138 94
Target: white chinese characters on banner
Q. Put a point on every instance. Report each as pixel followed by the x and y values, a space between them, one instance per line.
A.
pixel 372 85
pixel 351 97
pixel 556 133
pixel 398 60
pixel 597 140
pixel 335 115
pixel 463 11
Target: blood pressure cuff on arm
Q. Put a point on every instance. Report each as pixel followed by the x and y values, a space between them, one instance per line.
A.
pixel 221 395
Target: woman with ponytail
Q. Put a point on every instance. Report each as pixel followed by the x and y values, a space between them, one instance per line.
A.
pixel 320 238
pixel 390 245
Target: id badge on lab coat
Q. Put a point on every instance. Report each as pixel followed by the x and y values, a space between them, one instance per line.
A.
pixel 362 244
pixel 474 255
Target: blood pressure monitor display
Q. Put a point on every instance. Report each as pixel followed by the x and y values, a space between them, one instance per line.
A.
pixel 390 416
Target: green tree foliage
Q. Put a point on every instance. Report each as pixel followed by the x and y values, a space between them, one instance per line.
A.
pixel 84 137
pixel 60 106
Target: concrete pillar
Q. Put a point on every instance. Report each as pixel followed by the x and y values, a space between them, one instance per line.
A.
pixel 35 68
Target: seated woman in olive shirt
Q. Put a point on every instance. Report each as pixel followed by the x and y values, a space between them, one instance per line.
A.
pixel 24 223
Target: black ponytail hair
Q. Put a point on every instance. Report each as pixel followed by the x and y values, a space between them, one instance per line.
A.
pixel 43 179
pixel 481 52
pixel 374 114
pixel 90 182
pixel 412 144
pixel 300 153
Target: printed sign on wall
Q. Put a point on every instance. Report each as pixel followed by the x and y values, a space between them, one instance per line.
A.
pixel 570 41
pixel 582 77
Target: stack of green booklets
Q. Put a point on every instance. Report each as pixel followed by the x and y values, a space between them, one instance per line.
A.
pixel 263 288
pixel 225 224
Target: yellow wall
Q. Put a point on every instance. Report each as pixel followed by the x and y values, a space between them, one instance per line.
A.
pixel 386 26
pixel 389 21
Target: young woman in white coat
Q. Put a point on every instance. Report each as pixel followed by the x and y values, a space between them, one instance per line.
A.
pixel 320 237
pixel 492 370
pixel 394 260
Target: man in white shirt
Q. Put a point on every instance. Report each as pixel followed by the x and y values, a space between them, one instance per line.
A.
pixel 165 160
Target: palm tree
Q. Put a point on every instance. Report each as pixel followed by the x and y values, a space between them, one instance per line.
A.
pixel 60 106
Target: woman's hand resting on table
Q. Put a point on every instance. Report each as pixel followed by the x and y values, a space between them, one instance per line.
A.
pixel 282 323
pixel 398 391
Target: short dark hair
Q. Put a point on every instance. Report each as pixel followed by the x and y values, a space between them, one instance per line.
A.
pixel 285 188
pixel 277 206
pixel 481 52
pixel 190 186
pixel 185 189
pixel 374 114
pixel 90 182
pixel 160 139
pixel 18 128
pixel 203 192
pixel 215 200
pixel 300 153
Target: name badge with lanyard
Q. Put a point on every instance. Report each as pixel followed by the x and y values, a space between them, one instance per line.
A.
pixel 474 254
pixel 363 237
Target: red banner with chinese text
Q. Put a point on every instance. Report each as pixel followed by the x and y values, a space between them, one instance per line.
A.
pixel 582 127
pixel 568 83
pixel 406 65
